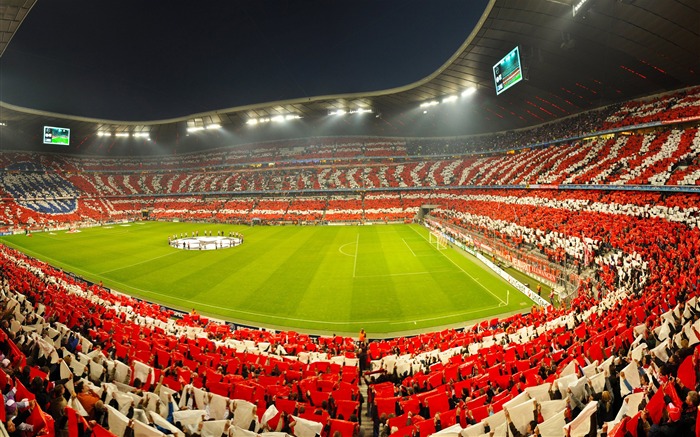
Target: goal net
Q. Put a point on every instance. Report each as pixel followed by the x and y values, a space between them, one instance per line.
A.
pixel 437 240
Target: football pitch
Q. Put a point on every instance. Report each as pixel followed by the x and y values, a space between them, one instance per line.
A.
pixel 387 279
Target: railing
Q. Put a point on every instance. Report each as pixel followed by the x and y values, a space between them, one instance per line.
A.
pixel 557 276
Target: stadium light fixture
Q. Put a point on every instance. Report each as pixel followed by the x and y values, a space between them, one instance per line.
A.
pixel 361 111
pixel 429 104
pixel 122 134
pixel 254 121
pixel 2 123
pixel 469 91
pixel 104 134
pixel 195 129
pixel 214 126
pixel 276 118
pixel 578 6
pixel 141 135
pixel 449 99
pixel 352 111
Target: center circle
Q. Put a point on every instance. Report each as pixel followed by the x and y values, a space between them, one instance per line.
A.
pixel 205 243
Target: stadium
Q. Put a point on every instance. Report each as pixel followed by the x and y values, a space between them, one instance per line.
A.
pixel 502 240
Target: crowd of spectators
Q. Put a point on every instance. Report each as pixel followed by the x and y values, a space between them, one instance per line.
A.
pixel 602 358
pixel 679 105
pixel 630 338
pixel 626 359
pixel 666 158
pixel 96 362
pixel 570 127
pixel 621 358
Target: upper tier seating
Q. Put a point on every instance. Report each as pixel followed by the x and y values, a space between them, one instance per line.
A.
pixel 632 330
pixel 673 106
pixel 664 158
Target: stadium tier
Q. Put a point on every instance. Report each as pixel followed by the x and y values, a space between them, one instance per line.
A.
pixel 572 204
pixel 36 194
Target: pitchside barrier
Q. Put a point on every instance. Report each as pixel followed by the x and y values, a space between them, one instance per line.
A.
pixel 511 280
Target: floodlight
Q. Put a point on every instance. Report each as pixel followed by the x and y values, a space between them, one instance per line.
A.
pixel 449 99
pixel 578 6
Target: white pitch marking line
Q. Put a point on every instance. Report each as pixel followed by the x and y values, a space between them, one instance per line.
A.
pixel 406 274
pixel 357 249
pixel 271 316
pixel 340 249
pixel 448 316
pixel 199 303
pixel 135 264
pixel 465 272
pixel 409 248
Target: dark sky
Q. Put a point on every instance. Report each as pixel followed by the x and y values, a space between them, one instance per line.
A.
pixel 156 59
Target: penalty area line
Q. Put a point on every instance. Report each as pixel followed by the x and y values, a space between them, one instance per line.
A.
pixel 409 247
pixel 467 273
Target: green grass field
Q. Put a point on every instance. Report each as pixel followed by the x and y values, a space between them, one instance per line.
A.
pixel 387 279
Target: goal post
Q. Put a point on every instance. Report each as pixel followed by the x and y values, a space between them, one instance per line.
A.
pixel 437 240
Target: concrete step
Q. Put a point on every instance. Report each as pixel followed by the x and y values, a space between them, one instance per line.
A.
pixel 366 425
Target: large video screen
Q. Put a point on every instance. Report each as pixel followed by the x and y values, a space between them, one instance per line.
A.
pixel 508 71
pixel 56 135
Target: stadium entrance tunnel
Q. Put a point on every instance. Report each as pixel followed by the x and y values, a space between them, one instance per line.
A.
pixel 205 243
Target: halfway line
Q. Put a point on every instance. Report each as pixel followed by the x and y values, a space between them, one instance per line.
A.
pixel 357 249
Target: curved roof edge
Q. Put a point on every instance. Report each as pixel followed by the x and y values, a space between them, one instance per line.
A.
pixel 263 105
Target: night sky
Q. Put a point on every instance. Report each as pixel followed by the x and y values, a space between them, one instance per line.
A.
pixel 157 59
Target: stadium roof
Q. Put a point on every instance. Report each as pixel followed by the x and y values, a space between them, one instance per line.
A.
pixel 604 52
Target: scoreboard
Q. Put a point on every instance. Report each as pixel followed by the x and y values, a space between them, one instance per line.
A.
pixel 56 135
pixel 508 71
